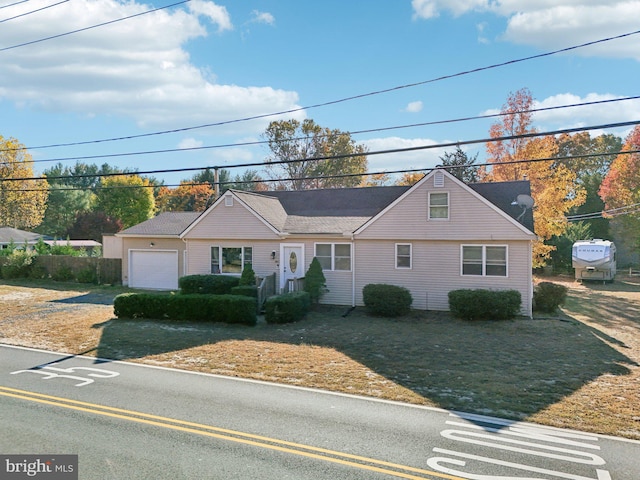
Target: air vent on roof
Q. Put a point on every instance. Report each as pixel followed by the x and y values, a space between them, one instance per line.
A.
pixel 228 201
pixel 438 179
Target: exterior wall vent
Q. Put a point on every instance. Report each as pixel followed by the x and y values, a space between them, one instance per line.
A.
pixel 228 201
pixel 438 179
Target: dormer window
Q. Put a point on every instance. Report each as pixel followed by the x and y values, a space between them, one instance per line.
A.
pixel 438 205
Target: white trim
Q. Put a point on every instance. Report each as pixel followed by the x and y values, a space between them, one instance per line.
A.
pixel 484 259
pixel 410 267
pixel 240 202
pixel 438 219
pixel 221 248
pixel 451 178
pixel 302 261
pixel 333 255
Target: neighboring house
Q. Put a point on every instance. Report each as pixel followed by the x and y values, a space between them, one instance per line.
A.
pixel 436 236
pixel 20 238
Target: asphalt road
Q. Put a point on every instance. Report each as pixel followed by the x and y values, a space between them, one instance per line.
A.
pixel 128 421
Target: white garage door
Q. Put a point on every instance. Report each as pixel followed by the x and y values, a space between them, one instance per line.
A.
pixel 153 269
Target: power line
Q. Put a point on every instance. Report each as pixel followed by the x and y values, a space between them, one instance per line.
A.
pixel 393 172
pixel 379 152
pixel 12 4
pixel 33 11
pixel 92 26
pixel 323 104
pixel 357 132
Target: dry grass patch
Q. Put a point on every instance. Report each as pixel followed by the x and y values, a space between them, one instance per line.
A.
pixel 577 369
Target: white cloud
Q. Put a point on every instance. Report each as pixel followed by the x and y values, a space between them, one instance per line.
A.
pixel 216 13
pixel 426 158
pixel 190 143
pixel 553 24
pixel 262 17
pixel 414 107
pixel 583 116
pixel 137 68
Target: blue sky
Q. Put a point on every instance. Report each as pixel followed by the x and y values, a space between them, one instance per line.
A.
pixel 203 62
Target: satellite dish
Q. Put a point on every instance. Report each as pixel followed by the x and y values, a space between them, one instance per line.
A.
pixel 525 201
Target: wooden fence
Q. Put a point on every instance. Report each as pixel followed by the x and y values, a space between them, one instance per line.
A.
pixel 107 270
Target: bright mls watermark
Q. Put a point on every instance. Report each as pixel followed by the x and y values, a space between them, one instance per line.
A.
pixel 50 467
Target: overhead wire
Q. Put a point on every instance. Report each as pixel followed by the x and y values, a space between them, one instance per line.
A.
pixel 110 22
pixel 14 3
pixel 351 133
pixel 378 152
pixel 33 11
pixel 322 104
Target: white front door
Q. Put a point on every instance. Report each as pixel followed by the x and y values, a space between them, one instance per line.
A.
pixel 291 266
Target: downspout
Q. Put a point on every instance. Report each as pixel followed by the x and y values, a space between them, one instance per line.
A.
pixel 353 273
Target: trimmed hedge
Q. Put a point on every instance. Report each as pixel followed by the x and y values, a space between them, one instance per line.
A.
pixel 386 300
pixel 207 284
pixel 194 307
pixel 287 308
pixel 246 290
pixel 548 296
pixel 480 304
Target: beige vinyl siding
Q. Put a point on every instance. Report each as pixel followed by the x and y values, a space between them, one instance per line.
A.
pixel 436 271
pixel 230 223
pixel 144 243
pixel 199 258
pixel 470 218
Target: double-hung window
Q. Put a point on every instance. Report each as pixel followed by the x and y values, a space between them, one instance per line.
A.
pixel 484 260
pixel 438 205
pixel 334 256
pixel 403 255
pixel 230 260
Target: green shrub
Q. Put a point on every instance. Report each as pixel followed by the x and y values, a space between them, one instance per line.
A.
pixel 386 300
pixel 246 290
pixel 287 308
pixel 87 275
pixel 38 272
pixel 63 274
pixel 18 264
pixel 191 307
pixel 248 277
pixel 314 281
pixel 480 304
pixel 548 296
pixel 207 284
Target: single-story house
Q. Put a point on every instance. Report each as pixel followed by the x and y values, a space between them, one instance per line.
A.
pixel 20 238
pixel 433 237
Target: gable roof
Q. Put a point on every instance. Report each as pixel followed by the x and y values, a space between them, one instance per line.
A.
pixel 10 234
pixel 322 211
pixel 346 210
pixel 164 224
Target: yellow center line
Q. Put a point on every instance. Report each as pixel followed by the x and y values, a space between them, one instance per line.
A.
pixel 228 435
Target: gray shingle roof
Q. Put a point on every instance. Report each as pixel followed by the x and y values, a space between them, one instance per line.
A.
pixel 9 234
pixel 164 224
pixel 503 194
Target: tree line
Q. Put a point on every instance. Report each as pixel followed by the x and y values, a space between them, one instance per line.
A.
pixel 570 176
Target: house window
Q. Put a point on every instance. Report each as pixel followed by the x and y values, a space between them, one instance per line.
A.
pixel 230 260
pixel 334 256
pixel 438 205
pixel 403 255
pixel 484 260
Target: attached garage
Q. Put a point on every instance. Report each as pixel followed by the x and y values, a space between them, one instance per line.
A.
pixel 153 269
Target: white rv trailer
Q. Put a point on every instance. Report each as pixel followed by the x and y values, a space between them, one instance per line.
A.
pixel 594 260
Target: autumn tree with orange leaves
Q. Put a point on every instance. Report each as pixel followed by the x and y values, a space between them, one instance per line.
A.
pixel 554 187
pixel 188 197
pixel 620 189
